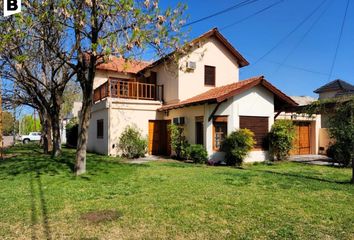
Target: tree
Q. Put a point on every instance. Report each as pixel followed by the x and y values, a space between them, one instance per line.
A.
pixel 8 123
pixel 123 28
pixel 28 50
pixel 341 129
pixel 341 126
pixel 29 124
pixel 94 30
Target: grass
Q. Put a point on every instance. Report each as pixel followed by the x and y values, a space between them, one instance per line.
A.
pixel 41 199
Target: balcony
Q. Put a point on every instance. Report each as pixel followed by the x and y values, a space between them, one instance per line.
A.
pixel 116 88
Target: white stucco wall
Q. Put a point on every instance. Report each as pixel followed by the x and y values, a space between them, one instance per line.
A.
pixel 94 144
pixel 167 75
pixel 117 115
pixel 127 112
pixel 258 102
pixel 254 102
pixel 211 53
pixel 102 77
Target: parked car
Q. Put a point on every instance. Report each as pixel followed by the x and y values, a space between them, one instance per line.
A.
pixel 31 137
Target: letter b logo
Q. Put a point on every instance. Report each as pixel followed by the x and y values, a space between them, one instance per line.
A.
pixel 11 7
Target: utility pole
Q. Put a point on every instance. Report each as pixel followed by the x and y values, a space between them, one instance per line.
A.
pixel 34 120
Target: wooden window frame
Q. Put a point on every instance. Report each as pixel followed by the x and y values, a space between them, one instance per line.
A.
pixel 99 134
pixel 205 75
pixel 218 119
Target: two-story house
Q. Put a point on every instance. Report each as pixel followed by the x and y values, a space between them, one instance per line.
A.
pixel 201 92
pixel 333 90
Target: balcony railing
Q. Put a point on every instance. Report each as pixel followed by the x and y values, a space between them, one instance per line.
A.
pixel 125 89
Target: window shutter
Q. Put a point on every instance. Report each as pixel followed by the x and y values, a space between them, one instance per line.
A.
pixel 209 75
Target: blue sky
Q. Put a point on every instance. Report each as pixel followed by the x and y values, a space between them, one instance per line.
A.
pixel 309 51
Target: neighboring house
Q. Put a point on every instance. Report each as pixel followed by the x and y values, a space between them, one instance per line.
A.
pixel 335 89
pixel 74 113
pixel 201 92
pixel 307 128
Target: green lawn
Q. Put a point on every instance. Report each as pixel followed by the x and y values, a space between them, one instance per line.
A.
pixel 41 199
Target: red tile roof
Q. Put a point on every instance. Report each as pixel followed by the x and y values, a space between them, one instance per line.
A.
pixel 220 94
pixel 123 65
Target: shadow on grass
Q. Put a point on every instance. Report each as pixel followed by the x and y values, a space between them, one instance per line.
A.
pixel 35 179
pixel 30 159
pixel 301 176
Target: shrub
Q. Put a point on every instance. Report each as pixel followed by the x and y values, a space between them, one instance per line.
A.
pixel 339 153
pixel 179 144
pixel 341 130
pixel 72 129
pixel 131 143
pixel 281 138
pixel 237 145
pixel 197 153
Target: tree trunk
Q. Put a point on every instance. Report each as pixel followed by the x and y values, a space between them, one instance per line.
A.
pixel 46 131
pixel 80 166
pixel 56 135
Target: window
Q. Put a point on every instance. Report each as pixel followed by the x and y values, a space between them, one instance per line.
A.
pixel 100 128
pixel 209 75
pixel 219 131
pixel 259 126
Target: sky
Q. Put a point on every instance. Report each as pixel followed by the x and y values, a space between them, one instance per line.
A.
pixel 302 61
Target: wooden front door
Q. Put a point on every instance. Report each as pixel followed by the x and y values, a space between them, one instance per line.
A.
pixel 159 138
pixel 302 143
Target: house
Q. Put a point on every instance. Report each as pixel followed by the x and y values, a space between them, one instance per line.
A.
pixel 334 89
pixel 74 113
pixel 201 92
pixel 307 128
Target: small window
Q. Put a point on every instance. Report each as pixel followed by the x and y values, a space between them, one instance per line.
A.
pixel 100 128
pixel 209 75
pixel 219 131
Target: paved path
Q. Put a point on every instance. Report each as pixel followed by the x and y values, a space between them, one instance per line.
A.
pixel 146 159
pixel 313 159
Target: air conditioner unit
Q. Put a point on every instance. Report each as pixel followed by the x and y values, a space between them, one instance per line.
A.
pixel 179 121
pixel 191 65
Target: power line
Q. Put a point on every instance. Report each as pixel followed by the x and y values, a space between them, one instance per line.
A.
pixel 339 40
pixel 252 15
pixel 236 6
pixel 291 32
pixel 303 37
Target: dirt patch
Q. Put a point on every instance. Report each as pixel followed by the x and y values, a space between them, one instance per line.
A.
pixel 101 216
pixel 7 156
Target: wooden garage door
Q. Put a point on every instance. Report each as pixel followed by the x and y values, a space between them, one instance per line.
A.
pixel 159 139
pixel 259 126
pixel 302 144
